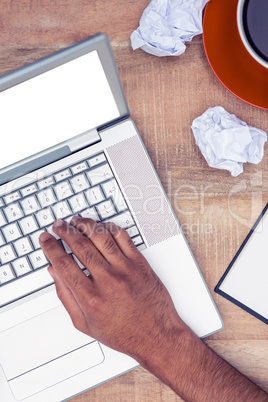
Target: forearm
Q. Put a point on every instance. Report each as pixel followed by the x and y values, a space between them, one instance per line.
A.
pixel 196 373
pixel 124 305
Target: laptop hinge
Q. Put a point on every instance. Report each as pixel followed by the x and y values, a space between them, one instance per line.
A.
pixel 84 140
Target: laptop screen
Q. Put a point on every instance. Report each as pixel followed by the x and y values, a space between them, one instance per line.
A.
pixel 54 107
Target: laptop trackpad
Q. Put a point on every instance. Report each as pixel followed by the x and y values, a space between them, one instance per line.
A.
pixel 45 350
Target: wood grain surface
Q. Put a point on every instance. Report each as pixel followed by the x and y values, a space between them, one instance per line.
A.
pixel 164 95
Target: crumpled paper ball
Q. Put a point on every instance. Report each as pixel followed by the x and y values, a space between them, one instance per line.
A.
pixel 166 25
pixel 227 142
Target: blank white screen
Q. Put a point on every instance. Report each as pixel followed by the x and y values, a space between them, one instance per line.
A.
pixel 54 107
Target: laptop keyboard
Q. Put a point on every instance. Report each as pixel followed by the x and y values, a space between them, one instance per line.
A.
pixel 88 189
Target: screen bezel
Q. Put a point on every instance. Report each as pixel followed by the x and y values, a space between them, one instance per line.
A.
pixel 101 44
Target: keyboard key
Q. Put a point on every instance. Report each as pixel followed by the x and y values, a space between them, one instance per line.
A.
pixel 7 254
pixel 35 238
pixel 94 195
pixel 12 197
pixel 23 246
pixel 100 174
pixel 2 219
pixel 13 212
pixel 137 240
pixel 79 263
pixel 1 202
pixel 28 190
pixel 133 231
pixel 49 229
pixel 46 198
pixel 141 247
pixel 28 225
pixel 6 274
pixel 111 189
pixel 21 266
pixel 123 220
pixel 96 160
pixel 78 203
pixel 61 210
pixel 62 175
pixel 63 190
pixel 29 205
pixel 106 209
pixel 66 247
pixel 79 183
pixel 45 217
pixel 2 240
pixel 38 259
pixel 11 232
pixel 69 218
pixel 90 213
pixel 45 183
pixel 79 167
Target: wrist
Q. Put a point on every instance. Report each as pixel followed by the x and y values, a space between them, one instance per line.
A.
pixel 171 353
pixel 163 343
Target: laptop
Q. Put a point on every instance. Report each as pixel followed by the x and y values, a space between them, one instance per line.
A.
pixel 70 149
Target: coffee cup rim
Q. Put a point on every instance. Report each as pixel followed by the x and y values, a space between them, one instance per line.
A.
pixel 240 26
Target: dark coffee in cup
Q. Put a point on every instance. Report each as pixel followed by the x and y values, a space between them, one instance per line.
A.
pixel 252 24
pixel 255 21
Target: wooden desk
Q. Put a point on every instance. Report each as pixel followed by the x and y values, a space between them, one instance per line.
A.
pixel 164 96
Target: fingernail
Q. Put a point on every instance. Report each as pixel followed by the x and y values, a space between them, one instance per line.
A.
pixel 75 219
pixel 58 223
pixel 45 236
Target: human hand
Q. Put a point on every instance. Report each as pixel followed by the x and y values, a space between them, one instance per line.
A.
pixel 122 303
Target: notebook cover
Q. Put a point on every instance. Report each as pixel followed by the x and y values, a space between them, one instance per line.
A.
pixel 228 296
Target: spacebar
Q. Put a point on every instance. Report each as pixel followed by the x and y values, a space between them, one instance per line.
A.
pixel 24 286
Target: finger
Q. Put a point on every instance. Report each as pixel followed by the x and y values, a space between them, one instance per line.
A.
pixel 82 247
pixel 69 301
pixel 122 239
pixel 66 268
pixel 100 237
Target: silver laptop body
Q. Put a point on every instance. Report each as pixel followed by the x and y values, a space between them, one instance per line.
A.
pixel 70 148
